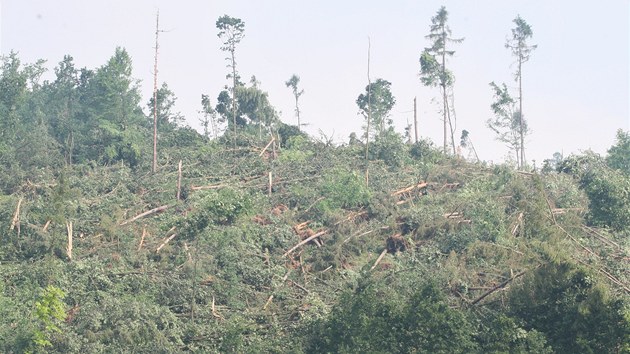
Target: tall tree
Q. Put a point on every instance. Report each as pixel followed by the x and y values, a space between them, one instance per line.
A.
pixel 376 104
pixel 114 119
pixel 63 106
pixel 231 31
pixel 619 154
pixel 433 70
pixel 293 84
pixel 522 51
pixel 507 123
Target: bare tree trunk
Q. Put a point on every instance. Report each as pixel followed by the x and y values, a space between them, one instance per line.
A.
pixel 415 119
pixel 520 111
pixel 369 118
pixel 155 72
pixel 234 94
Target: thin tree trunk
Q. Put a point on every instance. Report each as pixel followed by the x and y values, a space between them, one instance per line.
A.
pixel 520 110
pixel 369 118
pixel 415 119
pixel 234 94
pixel 297 111
pixel 179 180
pixel 155 72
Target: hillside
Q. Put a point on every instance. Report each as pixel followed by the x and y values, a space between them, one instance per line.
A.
pixel 264 239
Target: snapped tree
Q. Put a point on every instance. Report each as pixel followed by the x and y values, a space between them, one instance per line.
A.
pixel 433 71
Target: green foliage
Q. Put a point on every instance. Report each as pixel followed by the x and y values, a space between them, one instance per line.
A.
pixel 608 190
pixel 343 189
pixel 49 312
pixel 377 102
pixel 373 319
pixel 566 303
pixel 619 154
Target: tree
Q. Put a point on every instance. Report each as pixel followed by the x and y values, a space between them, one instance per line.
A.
pixel 466 142
pixel 506 122
pixel 64 105
pixel 619 154
pixel 433 71
pixel 231 31
pixel 376 103
pixel 113 120
pixel 167 119
pixel 209 120
pixel 293 84
pixel 522 51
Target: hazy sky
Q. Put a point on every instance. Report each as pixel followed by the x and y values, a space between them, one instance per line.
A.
pixel 576 85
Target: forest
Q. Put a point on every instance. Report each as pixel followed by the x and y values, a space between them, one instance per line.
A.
pixel 124 230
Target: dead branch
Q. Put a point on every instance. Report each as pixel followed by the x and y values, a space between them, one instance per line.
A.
pixel 46 226
pixel 500 286
pixel 378 260
pixel 146 213
pixel 305 241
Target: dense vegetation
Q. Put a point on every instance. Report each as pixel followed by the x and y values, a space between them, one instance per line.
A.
pixel 279 243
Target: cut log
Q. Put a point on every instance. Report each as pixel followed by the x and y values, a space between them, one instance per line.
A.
pixel 146 213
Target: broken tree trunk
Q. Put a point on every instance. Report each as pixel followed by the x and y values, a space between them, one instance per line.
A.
pixel 500 286
pixel 165 242
pixel 179 180
pixel 305 241
pixel 378 260
pixel 16 218
pixel 146 213
pixel 69 248
pixel 267 146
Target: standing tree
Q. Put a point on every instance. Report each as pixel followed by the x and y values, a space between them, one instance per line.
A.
pixel 507 123
pixel 433 71
pixel 293 84
pixel 521 50
pixel 375 105
pixel 209 120
pixel 231 31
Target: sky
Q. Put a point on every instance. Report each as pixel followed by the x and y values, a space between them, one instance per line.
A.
pixel 575 86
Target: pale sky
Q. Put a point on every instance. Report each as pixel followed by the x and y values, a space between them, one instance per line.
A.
pixel 576 85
